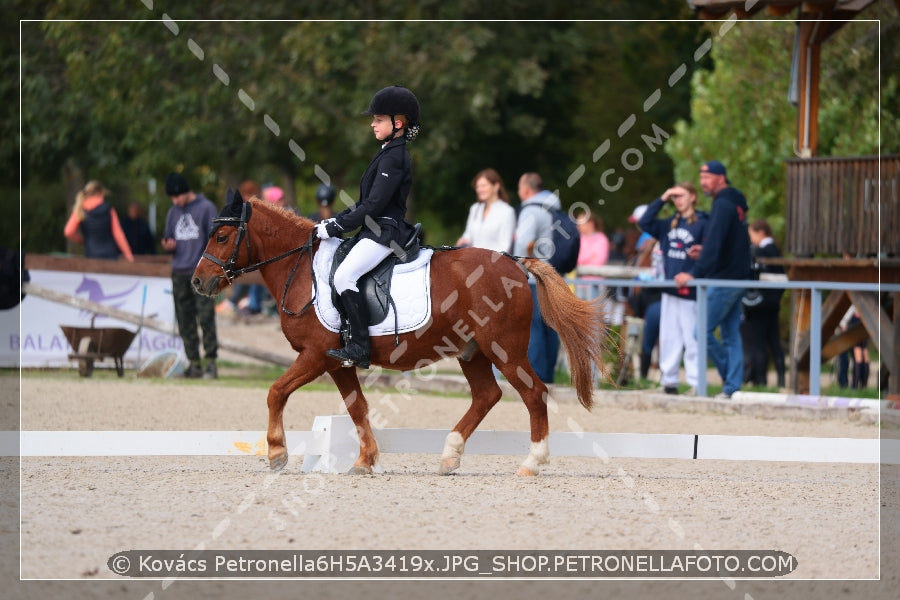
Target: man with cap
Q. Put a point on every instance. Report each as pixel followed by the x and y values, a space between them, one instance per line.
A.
pixel 188 225
pixel 725 254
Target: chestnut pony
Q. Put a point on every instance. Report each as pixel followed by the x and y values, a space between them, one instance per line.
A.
pixel 481 314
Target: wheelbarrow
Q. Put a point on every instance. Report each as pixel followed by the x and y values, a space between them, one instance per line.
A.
pixel 97 343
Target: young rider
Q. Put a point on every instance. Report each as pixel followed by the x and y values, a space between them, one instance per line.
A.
pixel 379 213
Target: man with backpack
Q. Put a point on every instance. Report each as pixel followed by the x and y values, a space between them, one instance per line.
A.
pixel 538 233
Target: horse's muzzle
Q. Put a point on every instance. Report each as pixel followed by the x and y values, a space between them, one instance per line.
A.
pixel 208 288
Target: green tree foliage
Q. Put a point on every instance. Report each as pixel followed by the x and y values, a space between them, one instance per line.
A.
pixel 740 113
pixel 228 100
pixel 849 98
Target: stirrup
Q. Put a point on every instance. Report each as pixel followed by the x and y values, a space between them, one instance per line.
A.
pixel 346 357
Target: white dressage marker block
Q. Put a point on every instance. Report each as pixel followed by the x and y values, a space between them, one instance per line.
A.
pixel 339 447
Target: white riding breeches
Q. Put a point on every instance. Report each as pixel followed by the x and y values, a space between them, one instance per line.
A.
pixel 677 333
pixel 363 257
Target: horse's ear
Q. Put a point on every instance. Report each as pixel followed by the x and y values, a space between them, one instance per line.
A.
pixel 233 197
pixel 234 204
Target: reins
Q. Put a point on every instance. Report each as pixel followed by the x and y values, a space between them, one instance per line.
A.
pixel 312 275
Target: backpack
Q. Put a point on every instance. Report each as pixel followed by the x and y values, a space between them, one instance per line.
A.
pixel 566 240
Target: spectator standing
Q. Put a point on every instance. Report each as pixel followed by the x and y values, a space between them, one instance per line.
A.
pixel 616 247
pixel 188 226
pixel 137 231
pixel 325 195
pixel 533 235
pixel 860 376
pixel 761 308
pixel 274 195
pixel 678 310
pixel 101 232
pixel 644 302
pixel 492 221
pixel 593 251
pixel 725 254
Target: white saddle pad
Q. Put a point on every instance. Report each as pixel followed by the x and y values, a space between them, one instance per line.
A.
pixel 410 288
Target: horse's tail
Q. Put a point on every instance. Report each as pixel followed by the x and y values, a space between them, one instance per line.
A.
pixel 580 324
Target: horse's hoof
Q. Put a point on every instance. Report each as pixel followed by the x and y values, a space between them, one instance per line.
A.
pixel 526 472
pixel 448 465
pixel 279 462
pixel 357 470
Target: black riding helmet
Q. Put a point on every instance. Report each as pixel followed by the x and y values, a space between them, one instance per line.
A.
pixel 324 194
pixel 397 100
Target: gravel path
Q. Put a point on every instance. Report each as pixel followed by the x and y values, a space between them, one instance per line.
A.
pixel 77 512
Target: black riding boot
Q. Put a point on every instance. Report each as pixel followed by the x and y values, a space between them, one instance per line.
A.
pixel 356 351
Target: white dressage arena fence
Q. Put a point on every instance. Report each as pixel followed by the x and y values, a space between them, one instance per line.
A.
pixel 332 445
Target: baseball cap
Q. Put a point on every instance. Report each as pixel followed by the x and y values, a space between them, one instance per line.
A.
pixel 637 213
pixel 716 168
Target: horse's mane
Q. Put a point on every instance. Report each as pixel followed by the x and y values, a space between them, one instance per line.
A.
pixel 285 213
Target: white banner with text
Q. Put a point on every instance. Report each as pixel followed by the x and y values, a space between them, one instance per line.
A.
pixel 33 335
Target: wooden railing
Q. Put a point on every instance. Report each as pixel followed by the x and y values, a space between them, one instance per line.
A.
pixel 834 206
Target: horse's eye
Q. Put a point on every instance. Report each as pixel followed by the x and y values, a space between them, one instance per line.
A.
pixel 221 239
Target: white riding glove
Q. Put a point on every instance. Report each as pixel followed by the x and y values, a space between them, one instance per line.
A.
pixel 322 231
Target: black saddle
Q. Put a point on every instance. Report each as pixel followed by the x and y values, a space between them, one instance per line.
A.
pixel 375 285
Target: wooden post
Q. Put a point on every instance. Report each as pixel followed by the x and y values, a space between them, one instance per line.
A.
pixel 893 362
pixel 799 324
pixel 809 48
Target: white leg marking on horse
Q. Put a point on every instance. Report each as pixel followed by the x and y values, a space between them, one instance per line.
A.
pixel 539 455
pixel 454 445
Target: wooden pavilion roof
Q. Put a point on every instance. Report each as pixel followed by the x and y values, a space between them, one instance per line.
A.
pixel 817 20
pixel 836 10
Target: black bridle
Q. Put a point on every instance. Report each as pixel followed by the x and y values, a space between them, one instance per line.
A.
pixel 228 267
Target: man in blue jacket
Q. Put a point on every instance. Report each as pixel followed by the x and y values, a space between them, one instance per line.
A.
pixel 725 255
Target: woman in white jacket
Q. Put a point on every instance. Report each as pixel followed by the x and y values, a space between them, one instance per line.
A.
pixel 492 221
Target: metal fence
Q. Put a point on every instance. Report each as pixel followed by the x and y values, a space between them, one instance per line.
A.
pixel 816 288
